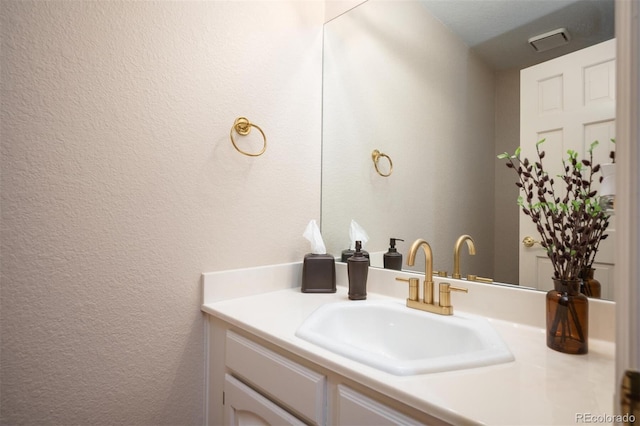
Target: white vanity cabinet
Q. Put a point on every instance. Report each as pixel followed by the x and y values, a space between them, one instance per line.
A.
pixel 252 382
pixel 259 372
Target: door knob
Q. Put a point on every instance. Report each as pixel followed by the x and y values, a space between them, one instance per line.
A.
pixel 529 241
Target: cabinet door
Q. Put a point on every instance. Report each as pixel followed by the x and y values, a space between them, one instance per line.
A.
pixel 355 409
pixel 245 407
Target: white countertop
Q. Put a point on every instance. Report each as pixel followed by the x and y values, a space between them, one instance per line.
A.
pixel 541 387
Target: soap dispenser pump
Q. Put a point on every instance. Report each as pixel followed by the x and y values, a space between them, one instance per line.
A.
pixel 347 253
pixel 357 270
pixel 356 233
pixel 392 259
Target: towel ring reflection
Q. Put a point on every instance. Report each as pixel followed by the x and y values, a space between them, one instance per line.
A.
pixel 242 126
pixel 376 156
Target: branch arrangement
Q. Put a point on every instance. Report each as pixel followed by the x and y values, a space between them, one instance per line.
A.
pixel 572 224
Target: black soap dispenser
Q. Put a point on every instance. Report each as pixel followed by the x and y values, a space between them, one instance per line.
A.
pixel 392 259
pixel 357 270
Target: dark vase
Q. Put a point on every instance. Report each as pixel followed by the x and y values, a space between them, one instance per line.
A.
pixel 567 318
pixel 590 286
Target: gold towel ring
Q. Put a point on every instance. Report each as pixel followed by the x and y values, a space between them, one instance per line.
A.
pixel 376 155
pixel 242 126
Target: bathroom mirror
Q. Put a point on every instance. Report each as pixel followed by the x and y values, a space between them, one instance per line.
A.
pixel 434 85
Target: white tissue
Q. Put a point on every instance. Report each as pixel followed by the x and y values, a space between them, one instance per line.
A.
pixel 312 233
pixel 357 233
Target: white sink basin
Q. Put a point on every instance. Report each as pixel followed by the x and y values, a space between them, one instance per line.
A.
pixel 394 338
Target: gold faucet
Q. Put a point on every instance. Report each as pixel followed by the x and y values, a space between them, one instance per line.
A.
pixel 427 303
pixel 428 266
pixel 456 253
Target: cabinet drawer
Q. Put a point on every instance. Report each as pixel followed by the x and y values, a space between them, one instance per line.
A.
pixel 356 409
pixel 290 384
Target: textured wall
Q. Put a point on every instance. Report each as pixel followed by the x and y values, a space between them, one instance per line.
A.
pixel 120 186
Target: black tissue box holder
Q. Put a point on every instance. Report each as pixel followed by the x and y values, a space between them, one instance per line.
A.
pixel 319 273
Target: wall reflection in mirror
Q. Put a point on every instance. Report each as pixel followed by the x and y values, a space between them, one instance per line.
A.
pixel 441 105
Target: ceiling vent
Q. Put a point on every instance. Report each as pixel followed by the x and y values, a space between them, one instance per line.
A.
pixel 550 40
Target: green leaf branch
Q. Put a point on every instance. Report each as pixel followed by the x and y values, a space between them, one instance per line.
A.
pixel 571 223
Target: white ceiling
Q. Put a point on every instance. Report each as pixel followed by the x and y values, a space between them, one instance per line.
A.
pixel 498 30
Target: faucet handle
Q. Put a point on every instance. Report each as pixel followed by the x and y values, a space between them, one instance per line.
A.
pixel 413 287
pixel 445 293
pixel 472 277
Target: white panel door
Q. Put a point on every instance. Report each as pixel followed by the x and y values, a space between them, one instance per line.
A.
pixel 570 102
